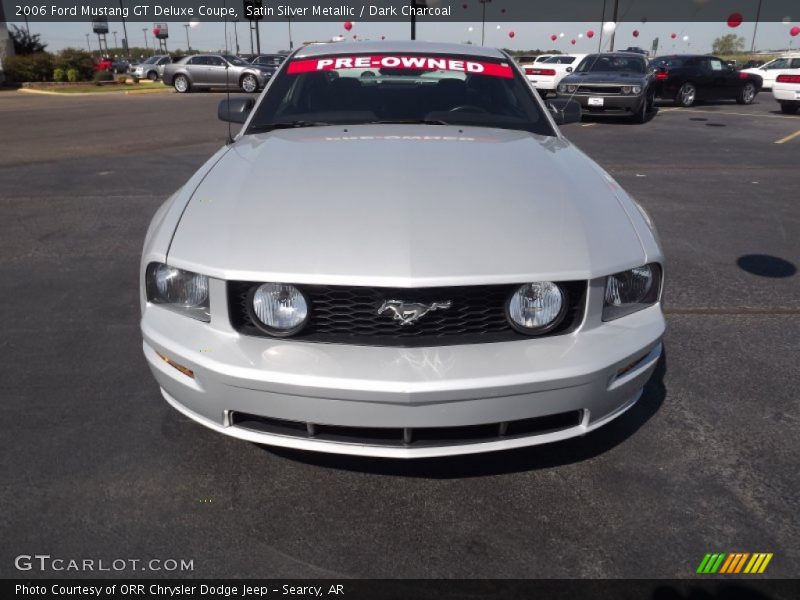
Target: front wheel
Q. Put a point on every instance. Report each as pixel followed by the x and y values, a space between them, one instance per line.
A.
pixel 152 76
pixel 789 108
pixel 249 84
pixel 747 94
pixel 687 95
pixel 181 84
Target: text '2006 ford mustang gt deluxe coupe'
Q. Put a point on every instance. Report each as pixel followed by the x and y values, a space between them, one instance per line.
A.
pixel 399 255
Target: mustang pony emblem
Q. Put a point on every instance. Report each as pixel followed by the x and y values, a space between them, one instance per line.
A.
pixel 410 312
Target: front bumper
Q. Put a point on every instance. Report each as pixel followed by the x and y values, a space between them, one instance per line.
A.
pixel 611 104
pixel 598 372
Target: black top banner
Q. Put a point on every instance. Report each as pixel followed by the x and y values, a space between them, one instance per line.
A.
pixel 733 12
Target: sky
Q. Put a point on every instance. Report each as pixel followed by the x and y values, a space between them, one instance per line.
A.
pixel 275 36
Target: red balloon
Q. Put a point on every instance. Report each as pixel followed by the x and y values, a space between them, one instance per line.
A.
pixel 794 31
pixel 554 37
pixel 735 20
pixel 156 31
pixel 573 42
pixel 511 34
pixel 348 25
pixel 635 33
pixel 590 34
pixel 673 35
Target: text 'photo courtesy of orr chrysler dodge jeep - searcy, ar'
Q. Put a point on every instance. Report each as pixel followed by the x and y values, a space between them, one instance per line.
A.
pixel 400 255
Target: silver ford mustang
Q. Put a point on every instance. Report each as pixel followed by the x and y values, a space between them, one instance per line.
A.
pixel 399 255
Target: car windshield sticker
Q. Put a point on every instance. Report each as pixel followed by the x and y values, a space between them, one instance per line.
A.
pixel 414 63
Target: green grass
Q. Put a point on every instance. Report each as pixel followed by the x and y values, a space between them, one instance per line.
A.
pixel 106 89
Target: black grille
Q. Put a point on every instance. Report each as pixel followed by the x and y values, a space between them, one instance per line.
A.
pixel 411 438
pixel 348 314
pixel 600 90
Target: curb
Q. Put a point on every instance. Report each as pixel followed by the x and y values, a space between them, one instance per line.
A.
pixel 120 92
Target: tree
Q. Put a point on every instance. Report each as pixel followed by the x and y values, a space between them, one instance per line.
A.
pixel 728 44
pixel 24 42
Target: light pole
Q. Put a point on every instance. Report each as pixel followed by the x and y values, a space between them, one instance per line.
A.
pixel 291 43
pixel 126 45
pixel 483 20
pixel 188 45
pixel 755 29
pixel 114 33
pixel 146 47
pixel 236 34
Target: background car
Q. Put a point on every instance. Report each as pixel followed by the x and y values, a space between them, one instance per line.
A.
pixel 152 68
pixel 546 75
pixel 103 64
pixel 769 71
pixel 614 83
pixel 637 50
pixel 688 78
pixel 786 91
pixel 215 71
pixel 269 63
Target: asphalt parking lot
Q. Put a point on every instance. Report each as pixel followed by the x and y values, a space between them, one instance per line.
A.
pixel 97 465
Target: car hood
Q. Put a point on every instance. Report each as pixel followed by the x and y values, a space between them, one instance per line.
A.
pixel 404 206
pixel 605 77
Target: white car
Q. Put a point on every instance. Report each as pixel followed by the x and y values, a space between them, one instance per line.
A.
pixel 788 63
pixel 546 75
pixel 787 91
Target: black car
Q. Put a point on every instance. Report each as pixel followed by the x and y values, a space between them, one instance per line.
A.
pixel 688 78
pixel 615 83
pixel 269 63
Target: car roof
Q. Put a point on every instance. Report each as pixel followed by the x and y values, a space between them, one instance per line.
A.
pixel 397 47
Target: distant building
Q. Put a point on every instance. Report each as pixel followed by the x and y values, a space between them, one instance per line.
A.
pixel 6 45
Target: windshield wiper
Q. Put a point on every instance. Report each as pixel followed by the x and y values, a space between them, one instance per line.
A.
pixel 287 125
pixel 409 122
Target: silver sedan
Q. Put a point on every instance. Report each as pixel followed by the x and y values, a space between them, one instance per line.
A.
pixel 215 71
pixel 400 255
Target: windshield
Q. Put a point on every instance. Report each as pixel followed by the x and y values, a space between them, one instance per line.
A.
pixel 611 63
pixel 235 60
pixel 561 60
pixel 440 90
pixel 150 60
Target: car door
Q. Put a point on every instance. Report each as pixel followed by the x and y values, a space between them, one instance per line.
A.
pixel 716 74
pixel 216 69
pixel 196 68
pixel 694 71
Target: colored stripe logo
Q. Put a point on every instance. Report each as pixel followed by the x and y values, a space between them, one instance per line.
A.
pixel 733 563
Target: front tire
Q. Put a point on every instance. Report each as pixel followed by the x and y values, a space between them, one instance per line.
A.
pixel 152 76
pixel 747 94
pixel 249 84
pixel 648 103
pixel 687 95
pixel 789 108
pixel 181 84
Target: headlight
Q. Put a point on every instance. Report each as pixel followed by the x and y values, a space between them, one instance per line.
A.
pixel 178 290
pixel 630 291
pixel 571 89
pixel 562 88
pixel 637 89
pixel 279 309
pixel 626 89
pixel 536 307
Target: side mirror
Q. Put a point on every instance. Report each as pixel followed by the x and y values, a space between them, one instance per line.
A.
pixel 235 110
pixel 569 69
pixel 564 111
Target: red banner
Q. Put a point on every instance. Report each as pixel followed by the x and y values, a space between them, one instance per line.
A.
pixel 416 63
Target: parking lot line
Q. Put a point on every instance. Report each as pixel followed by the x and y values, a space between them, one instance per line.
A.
pixel 588 124
pixel 725 112
pixel 789 138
